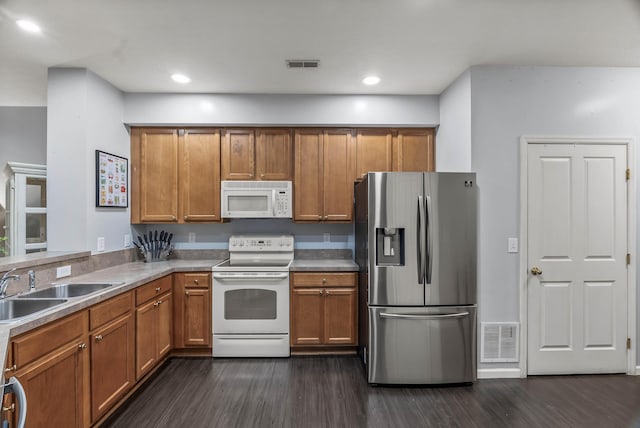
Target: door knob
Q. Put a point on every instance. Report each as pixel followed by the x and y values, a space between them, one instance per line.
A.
pixel 536 270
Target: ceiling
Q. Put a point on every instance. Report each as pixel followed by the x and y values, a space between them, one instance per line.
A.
pixel 240 46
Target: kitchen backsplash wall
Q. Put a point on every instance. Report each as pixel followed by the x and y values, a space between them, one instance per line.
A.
pixel 216 236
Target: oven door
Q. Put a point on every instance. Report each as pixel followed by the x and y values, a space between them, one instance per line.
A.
pixel 250 302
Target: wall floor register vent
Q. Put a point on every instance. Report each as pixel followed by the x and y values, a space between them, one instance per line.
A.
pixel 499 342
pixel 303 63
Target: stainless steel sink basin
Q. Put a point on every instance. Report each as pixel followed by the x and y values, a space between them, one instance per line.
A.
pixel 13 309
pixel 66 290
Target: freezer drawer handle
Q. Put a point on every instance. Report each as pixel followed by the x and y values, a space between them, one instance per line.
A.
pixel 424 317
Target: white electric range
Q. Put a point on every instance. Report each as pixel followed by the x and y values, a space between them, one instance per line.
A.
pixel 251 297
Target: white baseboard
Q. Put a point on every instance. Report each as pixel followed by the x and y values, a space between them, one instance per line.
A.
pixel 510 373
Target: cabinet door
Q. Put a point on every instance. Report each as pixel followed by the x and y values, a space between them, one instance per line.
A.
pixel 158 175
pixel 340 316
pixel 307 185
pixel 200 175
pixel 197 317
pixel 306 316
pixel 238 155
pixel 338 175
pixel 274 160
pixel 164 319
pixel 146 337
pixel 55 388
pixel 414 150
pixel 112 364
pixel 373 151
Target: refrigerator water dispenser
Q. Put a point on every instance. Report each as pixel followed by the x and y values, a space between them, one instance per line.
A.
pixel 389 246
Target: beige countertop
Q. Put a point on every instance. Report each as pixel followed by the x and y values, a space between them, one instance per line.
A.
pixel 129 276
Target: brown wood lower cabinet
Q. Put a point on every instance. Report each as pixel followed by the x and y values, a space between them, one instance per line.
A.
pixel 192 310
pixel 112 341
pixel 323 309
pixel 52 365
pixel 154 332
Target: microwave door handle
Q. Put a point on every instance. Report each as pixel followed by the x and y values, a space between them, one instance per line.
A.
pixel 273 202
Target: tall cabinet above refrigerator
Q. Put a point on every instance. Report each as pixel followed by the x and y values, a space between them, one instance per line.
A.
pixel 416 251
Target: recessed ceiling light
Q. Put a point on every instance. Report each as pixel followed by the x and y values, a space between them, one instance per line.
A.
pixel 180 78
pixel 371 80
pixel 29 26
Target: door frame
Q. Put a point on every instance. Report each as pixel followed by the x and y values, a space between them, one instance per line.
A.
pixel 525 140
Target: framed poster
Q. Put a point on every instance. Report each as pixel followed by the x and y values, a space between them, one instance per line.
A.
pixel 112 185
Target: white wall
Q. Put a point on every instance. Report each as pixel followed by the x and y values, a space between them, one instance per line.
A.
pixel 84 114
pixel 23 138
pixel 300 110
pixel 508 102
pixel 453 147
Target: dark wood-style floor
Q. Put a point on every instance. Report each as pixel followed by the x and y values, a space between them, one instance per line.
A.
pixel 332 392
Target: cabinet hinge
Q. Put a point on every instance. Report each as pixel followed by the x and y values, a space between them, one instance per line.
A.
pixel 628 343
pixel 628 259
pixel 628 174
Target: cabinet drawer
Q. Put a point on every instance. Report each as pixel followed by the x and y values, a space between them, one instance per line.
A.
pixel 33 345
pixel 153 289
pixel 192 280
pixel 326 279
pixel 107 311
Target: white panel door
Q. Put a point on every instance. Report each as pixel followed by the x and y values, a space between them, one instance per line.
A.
pixel 577 239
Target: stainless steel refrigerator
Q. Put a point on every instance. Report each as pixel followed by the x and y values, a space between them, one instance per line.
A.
pixel 416 251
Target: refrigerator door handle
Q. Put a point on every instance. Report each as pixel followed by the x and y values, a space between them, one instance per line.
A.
pixel 429 241
pixel 421 243
pixel 424 316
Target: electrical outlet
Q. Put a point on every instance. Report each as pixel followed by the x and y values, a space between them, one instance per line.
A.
pixel 127 240
pixel 512 245
pixel 100 245
pixel 192 237
pixel 326 237
pixel 63 271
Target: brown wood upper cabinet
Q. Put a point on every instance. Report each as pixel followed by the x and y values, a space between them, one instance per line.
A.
pixel 324 173
pixel 175 175
pixel 413 150
pixel 373 151
pixel 257 154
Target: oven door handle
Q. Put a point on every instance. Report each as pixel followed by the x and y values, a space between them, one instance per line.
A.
pixel 241 276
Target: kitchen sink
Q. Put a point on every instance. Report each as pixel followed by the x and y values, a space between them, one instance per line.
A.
pixel 12 309
pixel 67 290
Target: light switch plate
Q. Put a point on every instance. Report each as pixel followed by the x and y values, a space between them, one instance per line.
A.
pixel 127 240
pixel 100 245
pixel 512 245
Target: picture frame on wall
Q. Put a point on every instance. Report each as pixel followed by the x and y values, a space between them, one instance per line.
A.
pixel 112 180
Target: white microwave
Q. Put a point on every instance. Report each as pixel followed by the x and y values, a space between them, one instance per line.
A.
pixel 256 199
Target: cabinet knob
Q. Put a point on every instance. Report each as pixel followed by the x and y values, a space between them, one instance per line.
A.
pixel 174 218
pixel 326 293
pixel 82 346
pixel 195 281
pixel 324 280
pixel 157 289
pixel 261 175
pixel 11 369
pixel 321 292
pixel 186 218
pixel 11 408
pixel 186 292
pixel 98 338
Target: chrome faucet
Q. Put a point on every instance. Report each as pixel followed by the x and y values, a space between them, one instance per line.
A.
pixel 4 282
pixel 32 280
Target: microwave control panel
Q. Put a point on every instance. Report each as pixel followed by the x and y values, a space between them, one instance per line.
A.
pixel 282 204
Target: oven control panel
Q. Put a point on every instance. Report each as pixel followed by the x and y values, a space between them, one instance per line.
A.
pixel 257 243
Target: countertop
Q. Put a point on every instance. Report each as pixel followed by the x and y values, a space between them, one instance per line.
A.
pixel 310 265
pixel 132 275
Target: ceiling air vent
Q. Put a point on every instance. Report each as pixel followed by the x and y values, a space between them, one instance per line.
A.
pixel 303 63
